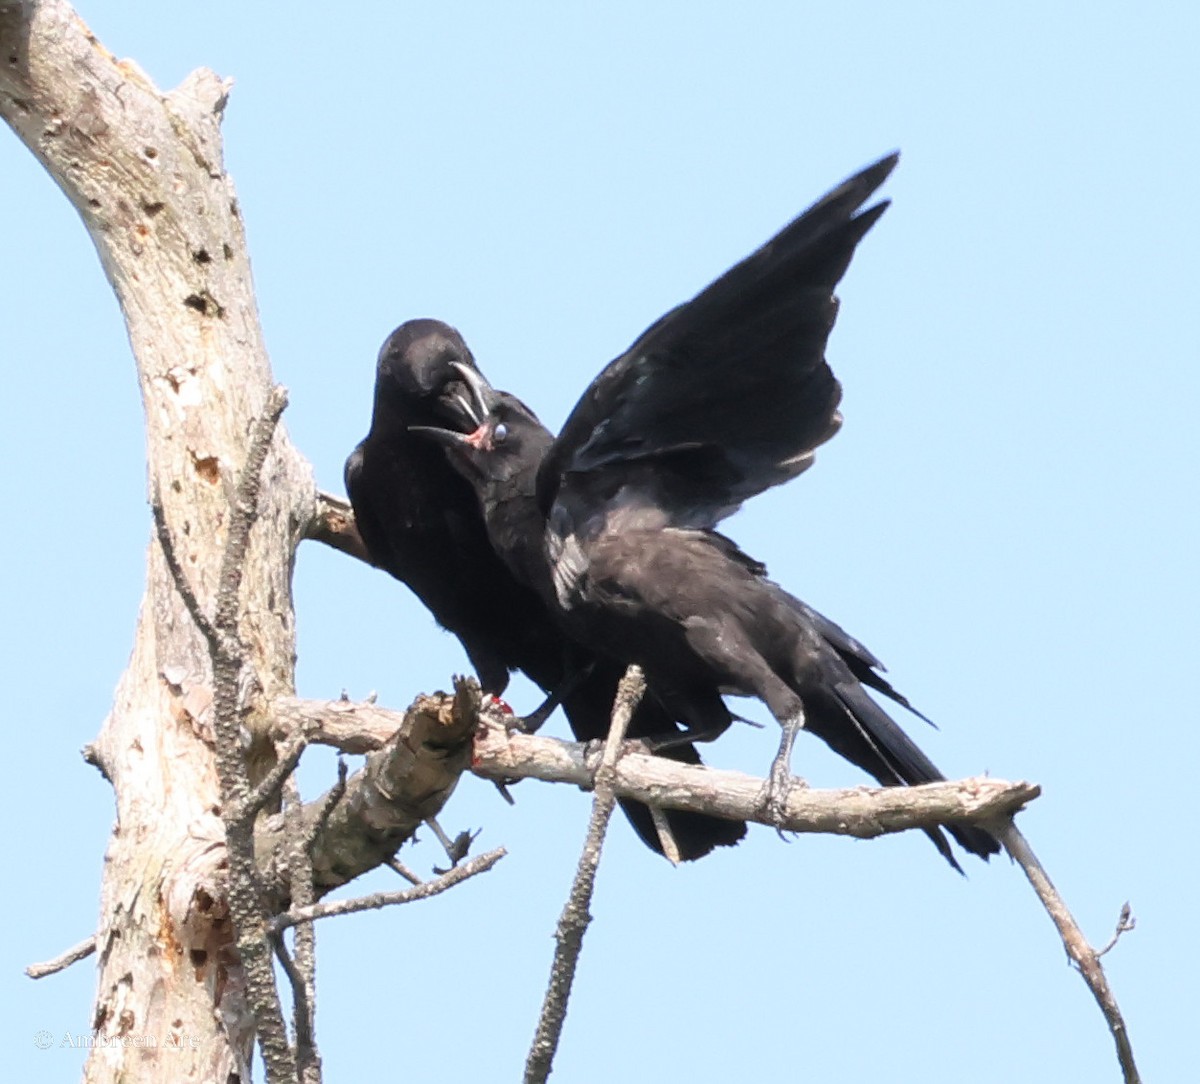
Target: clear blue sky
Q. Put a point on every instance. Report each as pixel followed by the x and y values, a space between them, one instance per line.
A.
pixel 1008 517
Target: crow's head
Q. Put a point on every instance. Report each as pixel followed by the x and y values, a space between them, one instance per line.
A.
pixel 418 377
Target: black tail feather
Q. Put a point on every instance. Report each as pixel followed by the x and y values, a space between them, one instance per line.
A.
pixel 876 744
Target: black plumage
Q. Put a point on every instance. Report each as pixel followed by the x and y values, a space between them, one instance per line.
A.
pixel 723 397
pixel 421 522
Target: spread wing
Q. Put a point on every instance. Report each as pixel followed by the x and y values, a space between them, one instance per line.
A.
pixel 728 394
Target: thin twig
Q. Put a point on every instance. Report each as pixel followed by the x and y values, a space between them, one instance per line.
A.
pixel 167 544
pixel 270 784
pixel 448 844
pixel 575 917
pixel 60 963
pixel 306 1055
pixel 302 973
pixel 404 871
pixel 423 891
pixel 1085 957
pixel 336 792
pixel 301 968
pixel 245 510
pixel 1125 923
pixel 289 965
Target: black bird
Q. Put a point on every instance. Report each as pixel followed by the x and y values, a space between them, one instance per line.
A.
pixel 723 397
pixel 421 522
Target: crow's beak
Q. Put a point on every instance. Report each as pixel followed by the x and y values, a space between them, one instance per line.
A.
pixel 461 442
pixel 480 391
pixel 443 436
pixel 466 408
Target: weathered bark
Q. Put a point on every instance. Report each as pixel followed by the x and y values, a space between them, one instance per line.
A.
pixel 403 784
pixel 144 171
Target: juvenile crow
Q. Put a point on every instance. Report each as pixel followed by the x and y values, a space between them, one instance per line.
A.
pixel 420 521
pixel 723 397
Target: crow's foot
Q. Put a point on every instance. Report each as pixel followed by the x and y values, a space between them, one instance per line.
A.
pixel 774 798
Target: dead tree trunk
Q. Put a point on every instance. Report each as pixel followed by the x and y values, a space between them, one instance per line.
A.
pixel 144 171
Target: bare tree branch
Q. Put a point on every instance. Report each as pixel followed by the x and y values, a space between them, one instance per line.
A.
pixel 376 900
pixel 191 603
pixel 268 788
pixel 668 784
pixel 301 968
pixel 399 867
pixel 403 783
pixel 333 524
pixel 303 975
pixel 1126 923
pixel 308 839
pixel 350 726
pixel 308 1061
pixel 60 963
pixel 1086 959
pixel 576 916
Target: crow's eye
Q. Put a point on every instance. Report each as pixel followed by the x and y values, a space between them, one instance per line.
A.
pixel 500 433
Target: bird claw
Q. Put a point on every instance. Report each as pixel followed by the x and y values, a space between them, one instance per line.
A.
pixel 593 752
pixel 773 799
pixel 457 848
pixel 501 712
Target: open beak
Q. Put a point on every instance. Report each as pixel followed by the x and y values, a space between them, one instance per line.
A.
pixel 476 410
pixel 443 436
pixel 464 444
pixel 481 392
pixel 466 408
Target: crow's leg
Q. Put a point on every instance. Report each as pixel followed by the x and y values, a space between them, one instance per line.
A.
pixel 701 711
pixel 775 794
pixel 731 654
pixel 681 738
pixel 533 722
pixel 456 849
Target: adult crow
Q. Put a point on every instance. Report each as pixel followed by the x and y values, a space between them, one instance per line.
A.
pixel 420 521
pixel 614 521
